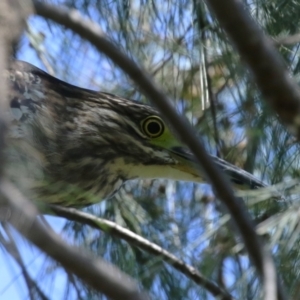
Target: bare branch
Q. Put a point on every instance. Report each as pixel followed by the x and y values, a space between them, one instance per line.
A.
pixel 178 41
pixel 97 273
pixel 114 229
pixel 268 68
pixel 92 32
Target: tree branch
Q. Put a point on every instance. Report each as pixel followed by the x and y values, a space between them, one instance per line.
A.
pixel 33 288
pixel 23 215
pixel 114 229
pixel 265 63
pixel 92 32
pixel 97 273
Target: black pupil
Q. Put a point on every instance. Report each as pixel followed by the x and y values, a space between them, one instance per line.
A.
pixel 153 127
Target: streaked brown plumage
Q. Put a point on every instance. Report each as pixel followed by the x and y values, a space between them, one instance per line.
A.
pixel 93 141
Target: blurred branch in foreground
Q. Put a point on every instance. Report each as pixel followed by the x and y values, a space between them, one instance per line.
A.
pixel 136 240
pixel 93 33
pixel 22 214
pixel 258 51
pixel 98 274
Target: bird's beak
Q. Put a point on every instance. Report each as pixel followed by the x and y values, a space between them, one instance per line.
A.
pixel 186 162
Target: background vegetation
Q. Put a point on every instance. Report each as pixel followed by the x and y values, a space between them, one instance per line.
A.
pixel 183 47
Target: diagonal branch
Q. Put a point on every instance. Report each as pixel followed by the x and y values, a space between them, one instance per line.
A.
pixel 100 275
pixel 92 32
pixel 97 273
pixel 267 66
pixel 114 229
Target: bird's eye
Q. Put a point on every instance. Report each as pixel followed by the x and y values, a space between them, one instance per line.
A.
pixel 153 127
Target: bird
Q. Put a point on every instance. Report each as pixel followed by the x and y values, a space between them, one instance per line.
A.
pixel 85 142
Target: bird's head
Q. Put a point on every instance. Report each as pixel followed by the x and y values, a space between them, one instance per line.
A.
pixel 96 140
pixel 92 139
pixel 135 141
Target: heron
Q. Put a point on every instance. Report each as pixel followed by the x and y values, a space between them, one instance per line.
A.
pixel 95 141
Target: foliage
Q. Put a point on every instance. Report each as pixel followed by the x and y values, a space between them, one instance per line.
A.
pixel 185 50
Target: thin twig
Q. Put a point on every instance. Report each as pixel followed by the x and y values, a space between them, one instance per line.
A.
pixel 12 249
pixel 134 239
pixel 178 41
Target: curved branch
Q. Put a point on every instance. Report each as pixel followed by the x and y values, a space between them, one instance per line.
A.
pixel 114 229
pixel 23 214
pixel 91 31
pixel 267 66
pixel 97 273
